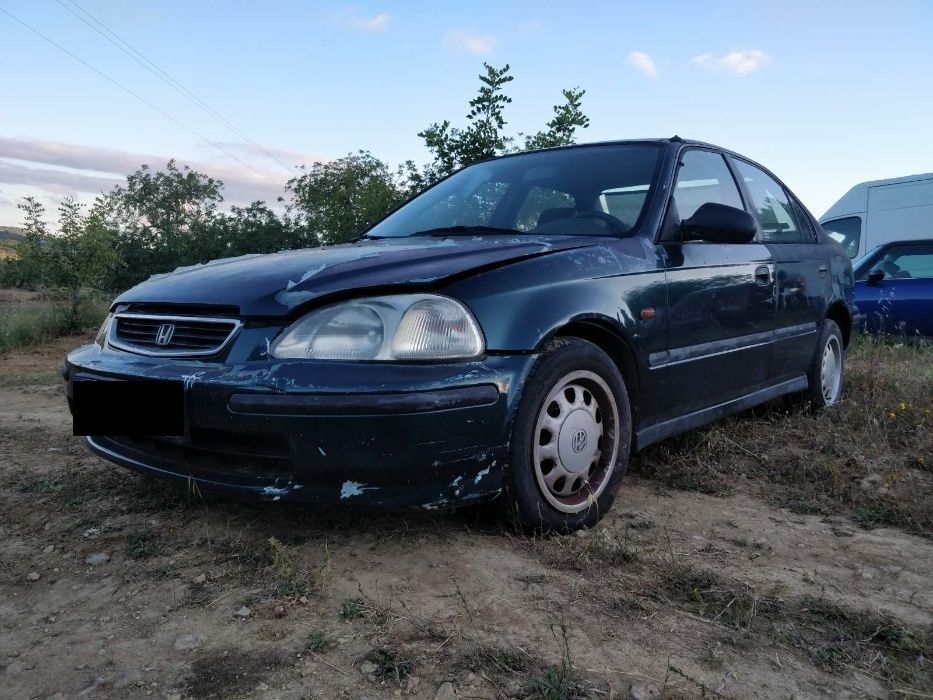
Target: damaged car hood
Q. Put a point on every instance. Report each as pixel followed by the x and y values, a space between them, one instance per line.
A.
pixel 275 284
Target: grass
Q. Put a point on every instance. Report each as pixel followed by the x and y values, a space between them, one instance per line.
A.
pixel 142 544
pixel 352 608
pixel 390 664
pixel 289 581
pixel 868 457
pixel 31 322
pixel 319 641
pixel 561 681
pixel 835 639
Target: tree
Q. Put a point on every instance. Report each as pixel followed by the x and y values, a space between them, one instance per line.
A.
pixel 453 148
pixel 251 229
pixel 561 130
pixel 163 219
pixel 81 256
pixel 335 201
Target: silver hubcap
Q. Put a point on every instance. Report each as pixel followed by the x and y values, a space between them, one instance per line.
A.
pixel 831 371
pixel 576 441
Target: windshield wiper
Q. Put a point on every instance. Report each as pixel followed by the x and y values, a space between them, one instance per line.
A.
pixel 467 231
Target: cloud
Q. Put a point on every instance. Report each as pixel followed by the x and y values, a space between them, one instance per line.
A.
pixel 481 44
pixel 71 169
pixel 737 62
pixel 377 23
pixel 54 180
pixel 644 63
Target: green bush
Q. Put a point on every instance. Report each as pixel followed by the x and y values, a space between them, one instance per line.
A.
pixel 23 324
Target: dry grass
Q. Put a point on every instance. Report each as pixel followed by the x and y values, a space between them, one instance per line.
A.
pixel 868 457
pixel 836 639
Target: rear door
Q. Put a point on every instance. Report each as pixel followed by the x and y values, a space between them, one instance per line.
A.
pixel 802 282
pixel 720 298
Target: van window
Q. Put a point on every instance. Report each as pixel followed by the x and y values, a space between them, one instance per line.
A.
pixel 775 213
pixel 704 177
pixel 847 232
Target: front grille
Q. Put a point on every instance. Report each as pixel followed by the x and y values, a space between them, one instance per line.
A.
pixel 175 336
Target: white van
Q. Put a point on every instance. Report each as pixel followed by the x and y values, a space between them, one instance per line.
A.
pixel 872 213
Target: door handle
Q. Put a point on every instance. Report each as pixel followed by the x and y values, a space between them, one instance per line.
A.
pixel 823 270
pixel 762 275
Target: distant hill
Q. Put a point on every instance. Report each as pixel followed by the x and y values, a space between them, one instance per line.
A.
pixel 11 233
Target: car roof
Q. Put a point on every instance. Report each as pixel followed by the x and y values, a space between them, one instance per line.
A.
pixel 619 142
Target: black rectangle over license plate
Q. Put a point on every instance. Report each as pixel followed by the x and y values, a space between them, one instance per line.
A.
pixel 128 407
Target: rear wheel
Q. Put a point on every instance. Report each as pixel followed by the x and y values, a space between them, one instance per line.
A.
pixel 571 440
pixel 826 376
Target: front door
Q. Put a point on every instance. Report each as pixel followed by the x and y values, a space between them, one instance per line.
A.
pixel 720 299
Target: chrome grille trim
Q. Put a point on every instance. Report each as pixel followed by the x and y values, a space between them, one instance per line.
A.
pixel 174 348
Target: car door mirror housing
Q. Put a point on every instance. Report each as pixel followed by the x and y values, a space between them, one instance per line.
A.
pixel 875 277
pixel 719 223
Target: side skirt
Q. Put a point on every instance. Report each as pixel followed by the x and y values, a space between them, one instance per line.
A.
pixel 659 431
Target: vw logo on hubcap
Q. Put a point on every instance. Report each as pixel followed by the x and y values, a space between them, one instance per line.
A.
pixel 578 442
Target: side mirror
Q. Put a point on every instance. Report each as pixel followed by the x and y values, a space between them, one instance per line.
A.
pixel 719 223
pixel 875 277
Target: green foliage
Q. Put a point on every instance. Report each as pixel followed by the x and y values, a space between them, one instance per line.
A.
pixel 484 137
pixel 82 255
pixel 561 130
pixel 24 324
pixel 163 219
pixel 336 201
pixel 352 608
pixel 319 642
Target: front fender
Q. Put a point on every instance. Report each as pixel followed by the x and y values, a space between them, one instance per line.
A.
pixel 520 306
pixel 618 287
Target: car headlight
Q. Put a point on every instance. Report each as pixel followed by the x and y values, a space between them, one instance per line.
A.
pixel 101 337
pixel 397 327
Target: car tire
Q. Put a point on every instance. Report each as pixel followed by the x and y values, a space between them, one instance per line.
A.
pixel 571 439
pixel 826 376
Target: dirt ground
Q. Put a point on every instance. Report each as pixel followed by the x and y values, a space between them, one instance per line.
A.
pixel 114 585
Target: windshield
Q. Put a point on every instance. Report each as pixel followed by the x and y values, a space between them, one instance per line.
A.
pixel 593 190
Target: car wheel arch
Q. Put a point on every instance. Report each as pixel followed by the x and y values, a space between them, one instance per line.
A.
pixel 838 312
pixel 609 338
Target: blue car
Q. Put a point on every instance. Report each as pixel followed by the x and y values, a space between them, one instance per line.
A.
pixel 894 288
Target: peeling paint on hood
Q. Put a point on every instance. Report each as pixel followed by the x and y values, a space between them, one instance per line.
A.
pixel 276 283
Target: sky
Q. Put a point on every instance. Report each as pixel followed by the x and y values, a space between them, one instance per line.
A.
pixel 825 94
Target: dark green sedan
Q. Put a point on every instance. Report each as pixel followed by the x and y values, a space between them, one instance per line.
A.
pixel 516 331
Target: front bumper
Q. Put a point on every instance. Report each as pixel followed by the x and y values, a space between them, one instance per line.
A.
pixel 366 434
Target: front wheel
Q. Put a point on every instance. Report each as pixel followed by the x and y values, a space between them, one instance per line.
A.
pixel 571 439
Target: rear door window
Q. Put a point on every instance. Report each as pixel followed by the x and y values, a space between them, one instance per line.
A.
pixel 772 206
